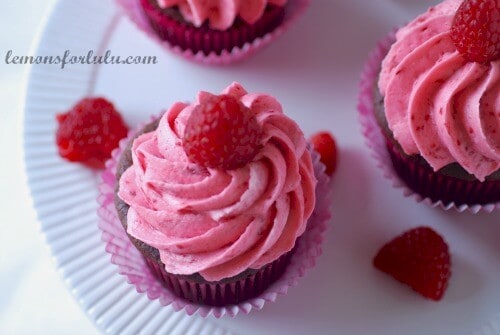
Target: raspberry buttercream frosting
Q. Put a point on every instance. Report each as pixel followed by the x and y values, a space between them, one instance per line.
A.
pixel 215 222
pixel 437 104
pixel 220 14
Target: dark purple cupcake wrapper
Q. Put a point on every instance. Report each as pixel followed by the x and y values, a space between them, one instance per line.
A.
pixel 135 12
pixel 439 187
pixel 394 166
pixel 221 294
pixel 133 266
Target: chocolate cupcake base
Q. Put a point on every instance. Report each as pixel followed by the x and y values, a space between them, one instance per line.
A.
pixel 233 290
pixel 438 186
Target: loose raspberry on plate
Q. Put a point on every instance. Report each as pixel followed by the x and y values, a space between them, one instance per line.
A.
pixel 476 30
pixel 89 132
pixel 418 258
pixel 222 133
pixel 324 144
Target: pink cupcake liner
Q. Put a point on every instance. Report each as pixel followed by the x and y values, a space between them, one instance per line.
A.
pixel 135 13
pixel 133 266
pixel 376 141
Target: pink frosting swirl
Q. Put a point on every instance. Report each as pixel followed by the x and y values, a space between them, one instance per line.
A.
pixel 213 222
pixel 437 104
pixel 220 13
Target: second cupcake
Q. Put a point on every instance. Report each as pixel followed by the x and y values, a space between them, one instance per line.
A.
pixel 214 32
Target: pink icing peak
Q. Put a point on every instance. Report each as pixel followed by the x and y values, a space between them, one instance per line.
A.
pixel 220 14
pixel 437 104
pixel 213 222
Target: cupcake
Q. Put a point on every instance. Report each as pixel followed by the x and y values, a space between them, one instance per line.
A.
pixel 217 195
pixel 437 107
pixel 213 31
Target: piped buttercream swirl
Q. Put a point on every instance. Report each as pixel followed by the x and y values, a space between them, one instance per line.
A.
pixel 213 222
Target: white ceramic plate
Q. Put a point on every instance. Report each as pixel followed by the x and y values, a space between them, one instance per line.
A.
pixel 314 71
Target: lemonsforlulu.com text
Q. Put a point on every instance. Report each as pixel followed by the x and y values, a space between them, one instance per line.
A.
pixel 91 58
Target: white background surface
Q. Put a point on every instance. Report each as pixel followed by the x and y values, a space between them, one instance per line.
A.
pixel 33 299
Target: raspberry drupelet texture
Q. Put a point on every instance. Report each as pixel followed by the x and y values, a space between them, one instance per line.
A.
pixel 418 258
pixel 89 132
pixel 222 133
pixel 475 30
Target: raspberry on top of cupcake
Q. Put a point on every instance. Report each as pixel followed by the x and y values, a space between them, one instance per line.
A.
pixel 219 210
pixel 439 102
pixel 220 14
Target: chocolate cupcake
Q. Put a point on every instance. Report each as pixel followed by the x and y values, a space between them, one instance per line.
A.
pixel 213 32
pixel 216 196
pixel 437 112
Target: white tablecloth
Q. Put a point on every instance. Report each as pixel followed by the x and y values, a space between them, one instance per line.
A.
pixel 33 299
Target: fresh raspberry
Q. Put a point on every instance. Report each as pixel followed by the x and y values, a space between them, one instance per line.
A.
pixel 222 133
pixel 418 258
pixel 476 30
pixel 89 131
pixel 324 144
